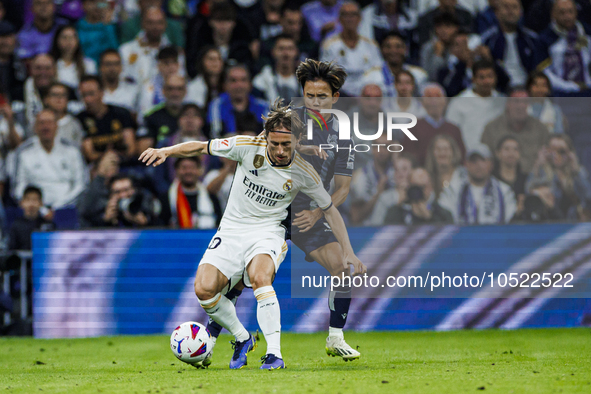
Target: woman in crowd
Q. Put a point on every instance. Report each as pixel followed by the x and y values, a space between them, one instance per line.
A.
pixel 558 164
pixel 207 85
pixel 507 168
pixel 444 163
pixel 70 61
pixel 542 107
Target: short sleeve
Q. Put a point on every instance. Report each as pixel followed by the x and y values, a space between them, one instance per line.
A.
pixel 345 162
pixel 234 148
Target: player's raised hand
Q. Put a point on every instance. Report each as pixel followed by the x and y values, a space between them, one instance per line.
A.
pixel 153 156
pixel 358 267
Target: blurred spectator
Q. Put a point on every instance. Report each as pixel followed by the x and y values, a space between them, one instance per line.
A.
pixel 508 168
pixel 51 164
pixel 519 49
pixel 128 205
pixel 292 25
pixel 188 203
pixel 486 18
pixel 368 183
pixel 384 16
pixel 444 164
pixel 219 181
pixel 355 53
pixel 473 6
pixel 11 133
pixel 43 74
pixel 568 44
pixel 207 85
pixel 478 105
pixel 451 8
pixel 394 51
pixel 368 112
pixel 36 37
pixel 541 106
pixel 481 198
pixel 405 102
pixel 70 61
pixel 322 17
pixel 421 206
pixel 435 53
pixel 140 55
pixel 69 128
pixel 152 92
pixel 516 121
pixel 236 110
pixel 558 164
pixel 403 165
pixel 280 80
pixel 224 30
pixel 93 201
pixel 133 25
pixel 432 124
pixel 106 126
pixel 264 16
pixel 95 32
pixel 162 120
pixel 19 237
pixel 539 15
pixel 12 71
pixel 540 204
pixel 119 91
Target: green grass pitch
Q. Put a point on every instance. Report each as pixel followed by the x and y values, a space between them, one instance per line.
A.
pixel 489 361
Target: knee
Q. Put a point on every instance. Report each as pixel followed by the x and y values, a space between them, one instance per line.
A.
pixel 203 291
pixel 261 279
pixel 336 268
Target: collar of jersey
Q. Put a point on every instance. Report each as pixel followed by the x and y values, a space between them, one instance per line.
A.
pixel 276 165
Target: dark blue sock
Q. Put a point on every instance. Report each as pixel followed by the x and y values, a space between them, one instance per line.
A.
pixel 212 326
pixel 339 301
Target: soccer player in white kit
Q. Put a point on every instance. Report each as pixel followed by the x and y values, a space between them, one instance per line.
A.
pixel 249 243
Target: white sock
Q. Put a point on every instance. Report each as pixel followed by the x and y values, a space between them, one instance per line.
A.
pixel 269 318
pixel 335 332
pixel 223 312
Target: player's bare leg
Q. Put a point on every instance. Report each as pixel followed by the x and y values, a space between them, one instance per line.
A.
pixel 331 257
pixel 209 282
pixel 261 272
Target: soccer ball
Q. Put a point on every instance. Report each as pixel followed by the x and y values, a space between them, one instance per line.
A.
pixel 191 343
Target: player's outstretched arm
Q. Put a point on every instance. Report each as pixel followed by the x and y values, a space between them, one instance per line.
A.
pixel 334 218
pixel 186 149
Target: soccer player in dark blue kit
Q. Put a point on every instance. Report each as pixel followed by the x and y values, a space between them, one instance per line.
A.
pixel 321 82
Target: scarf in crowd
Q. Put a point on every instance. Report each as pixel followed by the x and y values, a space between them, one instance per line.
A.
pixel 492 205
pixel 545 113
pixel 576 42
pixel 181 209
pixel 158 90
pixel 33 103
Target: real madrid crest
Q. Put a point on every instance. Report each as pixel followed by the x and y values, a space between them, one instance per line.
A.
pixel 287 185
pixel 258 161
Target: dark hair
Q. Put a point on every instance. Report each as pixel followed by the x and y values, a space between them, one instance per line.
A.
pixel 283 117
pixel 33 189
pixel 504 139
pixel 167 53
pixel 446 18
pixel 188 106
pixel 406 72
pixel 194 159
pixel 91 78
pixel 393 34
pixel 283 36
pixel 56 52
pixel 120 177
pixel 233 66
pixel 329 72
pixel 482 65
pixel 109 51
pixel 224 11
pixel 531 79
pixel 291 6
pixel 45 92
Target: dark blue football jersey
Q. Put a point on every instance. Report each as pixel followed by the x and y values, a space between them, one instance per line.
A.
pixel 340 161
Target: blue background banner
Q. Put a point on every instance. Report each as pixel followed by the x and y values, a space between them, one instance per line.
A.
pixel 90 283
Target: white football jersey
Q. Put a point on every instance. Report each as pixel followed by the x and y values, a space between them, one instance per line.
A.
pixel 262 191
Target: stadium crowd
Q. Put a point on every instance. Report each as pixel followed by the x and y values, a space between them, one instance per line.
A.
pixel 87 85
